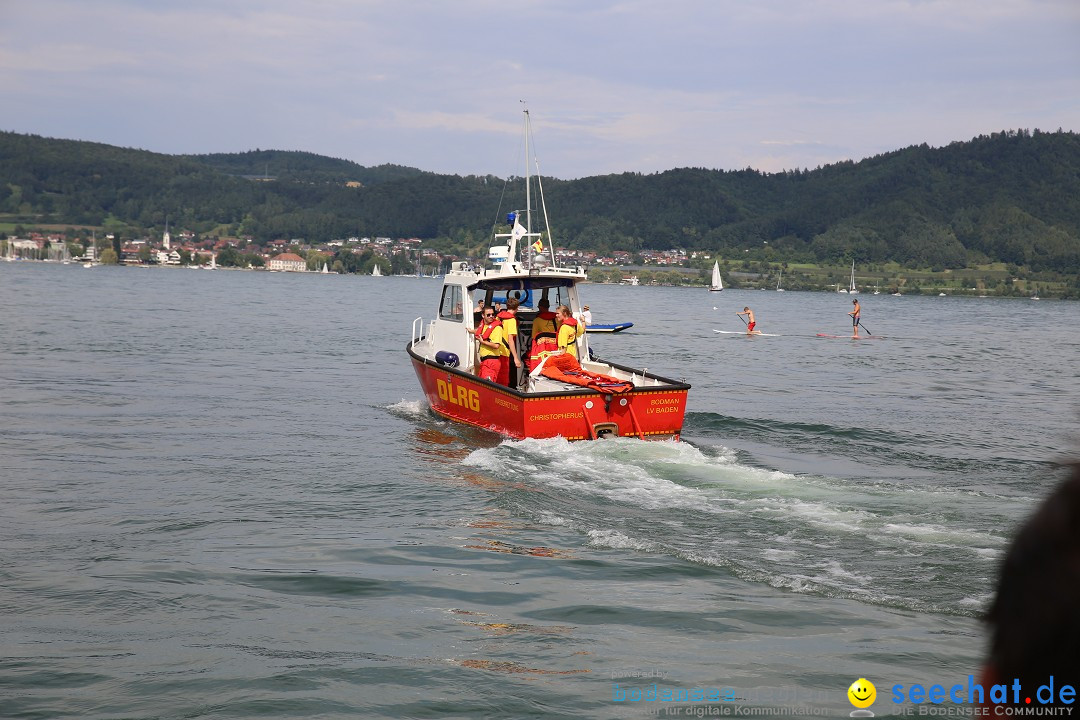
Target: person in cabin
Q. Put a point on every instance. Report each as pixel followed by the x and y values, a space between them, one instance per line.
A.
pixel 584 316
pixel 569 331
pixel 489 334
pixel 855 312
pixel 544 334
pixel 750 322
pixel 510 342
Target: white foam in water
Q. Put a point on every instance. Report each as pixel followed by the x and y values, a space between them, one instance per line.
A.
pixel 549 518
pixel 620 469
pixel 409 408
pixel 617 540
pixel 834 570
pixel 818 513
pixel 938 534
pixel 806 533
pixel 977 602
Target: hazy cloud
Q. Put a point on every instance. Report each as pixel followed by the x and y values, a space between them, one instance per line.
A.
pixel 612 85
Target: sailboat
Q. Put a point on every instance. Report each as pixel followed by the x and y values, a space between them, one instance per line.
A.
pixel 325 270
pixel 778 288
pixel 852 290
pixel 717 284
pixel 376 272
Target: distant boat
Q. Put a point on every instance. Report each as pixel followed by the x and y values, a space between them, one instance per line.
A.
pixel 778 288
pixel 852 290
pixel 717 284
pixel 325 270
pixel 633 280
pixel 376 272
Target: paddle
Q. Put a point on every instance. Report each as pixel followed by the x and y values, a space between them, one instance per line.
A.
pixel 864 327
pixel 743 320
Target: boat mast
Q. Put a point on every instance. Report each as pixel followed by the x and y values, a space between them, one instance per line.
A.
pixel 528 203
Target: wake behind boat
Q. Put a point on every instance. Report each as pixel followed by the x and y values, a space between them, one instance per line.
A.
pixel 561 396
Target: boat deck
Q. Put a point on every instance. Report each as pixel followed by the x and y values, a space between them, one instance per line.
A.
pixel 542 383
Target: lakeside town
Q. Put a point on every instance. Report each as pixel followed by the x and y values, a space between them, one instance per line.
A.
pixel 187 249
pixel 391 256
pixel 408 256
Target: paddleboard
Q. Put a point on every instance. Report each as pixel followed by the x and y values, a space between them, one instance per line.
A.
pixel 851 337
pixel 743 332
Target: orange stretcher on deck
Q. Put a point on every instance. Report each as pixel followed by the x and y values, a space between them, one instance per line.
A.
pixel 565 368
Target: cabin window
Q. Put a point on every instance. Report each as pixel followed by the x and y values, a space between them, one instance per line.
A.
pixel 556 296
pixel 451 307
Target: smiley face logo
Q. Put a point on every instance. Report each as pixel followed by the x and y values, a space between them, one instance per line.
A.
pixel 862 693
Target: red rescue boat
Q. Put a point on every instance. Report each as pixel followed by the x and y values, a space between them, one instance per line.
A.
pixel 560 396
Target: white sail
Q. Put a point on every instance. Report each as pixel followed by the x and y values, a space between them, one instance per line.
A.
pixel 778 288
pixel 717 284
pixel 852 290
pixel 376 272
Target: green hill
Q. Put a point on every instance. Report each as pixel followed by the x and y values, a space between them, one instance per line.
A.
pixel 1011 197
pixel 302 167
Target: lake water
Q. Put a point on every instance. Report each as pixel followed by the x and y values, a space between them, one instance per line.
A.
pixel 222 495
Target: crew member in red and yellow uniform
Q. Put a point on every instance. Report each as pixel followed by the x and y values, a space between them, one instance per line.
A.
pixel 544 334
pixel 510 337
pixel 569 331
pixel 489 334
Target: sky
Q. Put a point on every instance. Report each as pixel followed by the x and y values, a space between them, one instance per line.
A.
pixel 611 85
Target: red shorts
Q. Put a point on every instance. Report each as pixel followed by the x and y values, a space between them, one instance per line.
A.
pixel 750 326
pixel 489 368
pixel 504 370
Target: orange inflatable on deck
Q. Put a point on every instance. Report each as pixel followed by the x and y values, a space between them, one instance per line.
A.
pixel 566 368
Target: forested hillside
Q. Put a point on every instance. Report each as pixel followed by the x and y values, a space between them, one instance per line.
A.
pixel 1010 197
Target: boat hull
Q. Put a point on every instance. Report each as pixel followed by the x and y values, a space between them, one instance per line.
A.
pixel 646 413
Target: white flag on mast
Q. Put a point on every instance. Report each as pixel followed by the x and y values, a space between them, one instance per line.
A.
pixel 518 231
